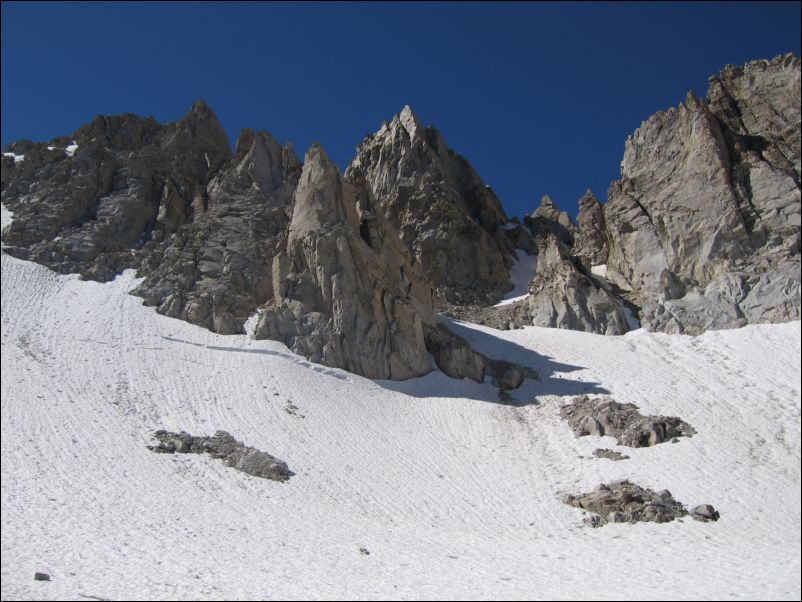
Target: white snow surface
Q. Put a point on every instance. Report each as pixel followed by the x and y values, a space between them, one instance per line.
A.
pixel 454 495
pixel 69 150
pixel 17 158
pixel 522 271
pixel 599 270
pixel 6 217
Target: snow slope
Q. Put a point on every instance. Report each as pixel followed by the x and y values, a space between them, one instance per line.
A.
pixel 521 273
pixel 452 494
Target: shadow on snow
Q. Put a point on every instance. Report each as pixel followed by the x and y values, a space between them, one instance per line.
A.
pixel 437 384
pixel 552 373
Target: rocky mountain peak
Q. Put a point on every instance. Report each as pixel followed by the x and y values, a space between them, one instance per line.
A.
pixel 548 219
pixel 410 121
pixel 322 199
pixel 692 101
pixel 199 106
pixel 263 161
pixel 199 131
pixel 588 200
pixel 444 213
pixel 591 241
pixel 244 141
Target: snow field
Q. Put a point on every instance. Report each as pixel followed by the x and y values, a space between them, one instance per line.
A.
pixel 453 494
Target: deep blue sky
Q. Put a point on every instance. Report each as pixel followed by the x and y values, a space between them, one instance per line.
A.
pixel 538 97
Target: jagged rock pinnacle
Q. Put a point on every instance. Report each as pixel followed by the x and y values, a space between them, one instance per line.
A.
pixel 410 121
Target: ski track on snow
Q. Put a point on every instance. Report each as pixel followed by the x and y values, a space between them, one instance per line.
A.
pixel 454 495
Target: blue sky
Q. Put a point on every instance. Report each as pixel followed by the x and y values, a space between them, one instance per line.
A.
pixel 539 97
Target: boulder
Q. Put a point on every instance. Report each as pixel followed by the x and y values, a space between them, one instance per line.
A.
pixel 705 513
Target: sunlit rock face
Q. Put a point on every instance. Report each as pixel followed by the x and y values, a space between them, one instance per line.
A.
pixel 346 292
pixel 450 220
pixel 704 225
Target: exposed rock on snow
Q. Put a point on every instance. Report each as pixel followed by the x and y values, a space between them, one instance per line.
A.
pixel 605 416
pixel 508 316
pixel 705 513
pixel 224 447
pixel 610 454
pixel 625 502
pixel 457 359
pixel 447 217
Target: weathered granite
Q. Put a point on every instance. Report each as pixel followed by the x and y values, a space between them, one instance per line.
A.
pixel 451 221
pixel 604 416
pixel 224 447
pixel 704 226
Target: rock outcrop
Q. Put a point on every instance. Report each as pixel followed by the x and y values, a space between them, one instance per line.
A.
pixel 455 357
pixel 704 226
pixel 217 237
pixel 548 220
pixel 563 295
pixel 346 292
pixel 451 221
pixel 216 269
pixel 609 454
pixel 702 230
pixel 591 240
pixel 87 203
pixel 606 417
pixel 202 227
pixel 223 446
pixel 625 502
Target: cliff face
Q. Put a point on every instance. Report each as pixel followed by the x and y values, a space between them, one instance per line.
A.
pixel 83 203
pixel 702 231
pixel 703 228
pixel 216 269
